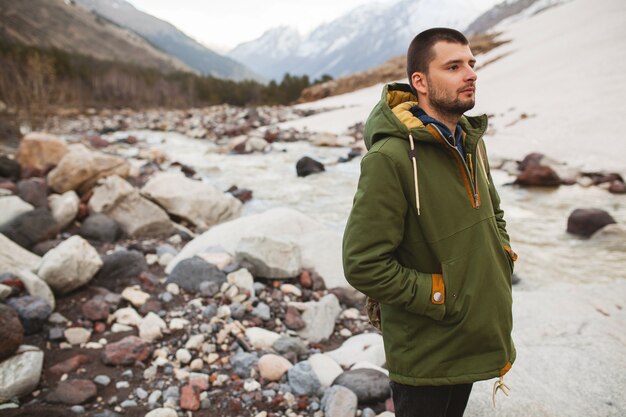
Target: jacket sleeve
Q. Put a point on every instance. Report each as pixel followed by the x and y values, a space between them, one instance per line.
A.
pixel 375 229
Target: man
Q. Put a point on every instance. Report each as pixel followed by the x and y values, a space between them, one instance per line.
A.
pixel 426 237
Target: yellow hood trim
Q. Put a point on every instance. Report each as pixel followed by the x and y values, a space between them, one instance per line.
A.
pixel 400 103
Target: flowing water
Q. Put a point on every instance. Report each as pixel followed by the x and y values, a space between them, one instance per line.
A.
pixel 537 218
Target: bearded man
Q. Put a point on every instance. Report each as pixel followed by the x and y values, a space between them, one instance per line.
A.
pixel 426 239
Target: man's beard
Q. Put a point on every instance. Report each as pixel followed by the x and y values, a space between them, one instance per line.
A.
pixel 444 104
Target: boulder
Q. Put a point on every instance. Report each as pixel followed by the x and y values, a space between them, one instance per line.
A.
pixel 307 166
pixel 617 187
pixel 191 273
pixel 20 374
pixel 200 203
pixel 538 176
pixel 32 311
pixel 365 347
pixel 11 332
pixel 585 222
pixel 11 207
pixel 339 401
pixel 369 385
pixel 325 368
pixel 34 191
pixel 40 150
pixel 31 228
pixel 268 257
pixel 101 228
pixel 13 257
pixel 64 207
pixel 136 215
pixel 319 317
pixel 81 168
pixel 70 265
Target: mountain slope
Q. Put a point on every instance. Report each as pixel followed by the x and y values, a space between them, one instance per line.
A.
pixel 53 23
pixel 169 39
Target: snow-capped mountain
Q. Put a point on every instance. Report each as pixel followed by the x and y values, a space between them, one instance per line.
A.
pixel 365 37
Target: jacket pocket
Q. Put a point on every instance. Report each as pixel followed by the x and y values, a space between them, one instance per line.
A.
pixel 435 305
pixel 454 277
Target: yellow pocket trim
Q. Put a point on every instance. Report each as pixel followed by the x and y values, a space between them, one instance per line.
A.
pixel 511 253
pixel 506 368
pixel 438 295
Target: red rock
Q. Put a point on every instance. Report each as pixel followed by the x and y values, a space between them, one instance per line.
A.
pixel 99 327
pixel 86 197
pixel 585 222
pixel 617 187
pixel 293 320
pixel 127 351
pixel 131 140
pixel 303 402
pixel 538 176
pixel 96 309
pixel 98 142
pixel 74 392
pixel 532 159
pixel 69 365
pixel 11 332
pixel 305 279
pixel 190 398
pixel 83 212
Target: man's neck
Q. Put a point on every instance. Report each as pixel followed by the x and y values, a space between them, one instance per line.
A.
pixel 450 120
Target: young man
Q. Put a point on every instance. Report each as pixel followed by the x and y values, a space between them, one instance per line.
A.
pixel 426 238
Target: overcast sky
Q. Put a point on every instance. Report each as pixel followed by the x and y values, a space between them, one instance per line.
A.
pixel 226 23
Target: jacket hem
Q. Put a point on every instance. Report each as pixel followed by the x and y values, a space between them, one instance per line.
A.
pixel 454 380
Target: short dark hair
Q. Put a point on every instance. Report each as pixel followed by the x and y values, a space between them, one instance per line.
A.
pixel 420 52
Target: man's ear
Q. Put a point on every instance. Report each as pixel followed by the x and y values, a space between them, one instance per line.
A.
pixel 418 81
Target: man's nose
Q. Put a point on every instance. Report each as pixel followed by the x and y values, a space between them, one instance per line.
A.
pixel 470 74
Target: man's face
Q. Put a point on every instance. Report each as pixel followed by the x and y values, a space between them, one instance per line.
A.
pixel 451 81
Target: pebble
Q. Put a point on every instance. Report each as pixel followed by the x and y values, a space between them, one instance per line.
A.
pixel 128 404
pixel 135 296
pixel 162 412
pixel 166 297
pixel 77 335
pixel 172 288
pixel 122 384
pixel 141 393
pixel 195 342
pixel 78 409
pixel 154 397
pixel 251 385
pixel 196 364
pixel 262 311
pixel 102 380
pixel 183 356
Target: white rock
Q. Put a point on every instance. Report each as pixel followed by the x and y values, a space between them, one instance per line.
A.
pixel 291 289
pixel 251 385
pixel 172 288
pixel 319 317
pixel 5 291
pixel 35 285
pixel 242 278
pixel 152 258
pixel 77 335
pixel 162 412
pixel 20 374
pixel 366 347
pixel 320 246
pixel 12 206
pixel 135 296
pixel 270 257
pixel 183 356
pixel 345 333
pixel 151 327
pixel 256 144
pixel 127 315
pixel 350 314
pixel 13 257
pixel 261 338
pixel 136 215
pixel 219 259
pixel 178 323
pixel 223 312
pixel 196 364
pixel 195 342
pixel 367 365
pixel 325 367
pixel 200 203
pixel 64 207
pixel 165 259
pixel 120 328
pixel 273 367
pixel 70 265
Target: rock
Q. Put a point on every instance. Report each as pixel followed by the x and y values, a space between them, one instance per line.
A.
pixel 127 316
pixel 325 368
pixel 119 266
pixel 293 319
pixel 40 150
pixel 11 332
pixel 136 215
pixel 261 338
pixel 41 248
pixel 366 347
pixel 585 222
pixel 287 344
pixel 77 335
pixel 127 351
pixel 243 363
pixel 243 279
pixel 262 311
pixel 191 273
pixel 162 412
pixel 194 342
pixel 190 398
pixel 273 367
pixel 96 309
pixel 135 296
pixel 34 191
pixel 32 311
pixel 64 208
pixel 81 168
pixel 69 365
pixel 319 317
pixel 303 380
pixel 76 391
pixel 11 207
pixel 5 291
pixel 9 168
pixel 349 297
pixel 369 385
pixel 538 176
pixel 617 187
pixel 20 374
pixel 101 228
pixel 200 203
pixel 70 265
pixel 36 286
pixel 269 258
pixel 339 401
pixel 31 227
pixel 320 247
pixel 307 166
pixel 14 258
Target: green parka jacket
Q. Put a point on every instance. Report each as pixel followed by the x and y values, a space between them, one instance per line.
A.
pixel 426 238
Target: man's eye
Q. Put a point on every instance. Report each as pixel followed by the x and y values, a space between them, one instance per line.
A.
pixel 453 67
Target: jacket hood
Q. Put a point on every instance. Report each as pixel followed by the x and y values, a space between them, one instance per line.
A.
pixel 391 117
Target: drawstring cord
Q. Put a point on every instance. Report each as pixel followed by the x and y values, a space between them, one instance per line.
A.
pixel 499 385
pixel 414 160
pixel 482 163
